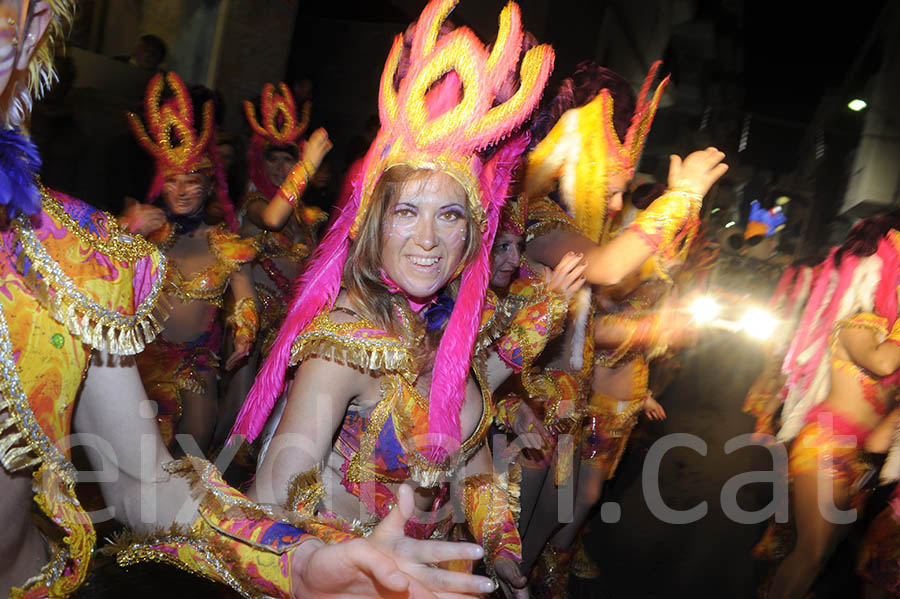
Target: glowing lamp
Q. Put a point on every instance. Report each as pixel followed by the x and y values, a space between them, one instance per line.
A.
pixel 758 323
pixel 704 309
pixel 857 104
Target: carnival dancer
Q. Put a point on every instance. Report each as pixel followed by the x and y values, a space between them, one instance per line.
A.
pixel 589 139
pixel 531 306
pixel 386 318
pixel 180 367
pixel 273 213
pixel 764 397
pixel 841 373
pixel 79 296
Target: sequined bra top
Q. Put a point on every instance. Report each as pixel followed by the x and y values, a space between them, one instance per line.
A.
pixel 378 444
pixel 209 284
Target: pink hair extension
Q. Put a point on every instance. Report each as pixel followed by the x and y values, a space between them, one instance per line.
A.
pixel 452 361
pixel 783 286
pixel 256 170
pixel 316 290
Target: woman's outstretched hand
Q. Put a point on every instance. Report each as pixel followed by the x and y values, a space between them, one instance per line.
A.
pixel 698 172
pixel 387 564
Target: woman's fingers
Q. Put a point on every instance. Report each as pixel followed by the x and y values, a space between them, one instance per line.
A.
pixel 435 552
pixel 381 568
pixel 452 582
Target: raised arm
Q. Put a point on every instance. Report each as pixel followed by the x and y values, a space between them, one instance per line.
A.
pixel 861 344
pixel 279 209
pixel 652 232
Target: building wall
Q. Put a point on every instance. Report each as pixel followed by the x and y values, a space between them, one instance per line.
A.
pixel 874 178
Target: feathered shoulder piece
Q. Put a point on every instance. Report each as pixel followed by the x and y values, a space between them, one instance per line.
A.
pixel 20 165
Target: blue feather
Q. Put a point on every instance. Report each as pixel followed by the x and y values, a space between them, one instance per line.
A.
pixel 20 165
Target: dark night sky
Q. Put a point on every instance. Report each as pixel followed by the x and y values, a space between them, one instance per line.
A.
pixel 796 50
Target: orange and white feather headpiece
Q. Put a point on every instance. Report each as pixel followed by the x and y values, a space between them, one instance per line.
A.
pixel 439 115
pixel 178 146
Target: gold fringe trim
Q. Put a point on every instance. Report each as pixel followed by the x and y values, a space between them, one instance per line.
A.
pixel 130 548
pixel 95 325
pixel 16 453
pixel 366 355
pixel 198 473
pixel 305 491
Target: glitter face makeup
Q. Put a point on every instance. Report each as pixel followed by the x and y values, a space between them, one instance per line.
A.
pixel 424 234
pixel 185 194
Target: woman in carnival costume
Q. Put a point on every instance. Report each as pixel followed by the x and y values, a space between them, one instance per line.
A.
pixel 79 296
pixel 589 139
pixel 765 397
pixel 841 373
pixel 273 211
pixel 390 306
pixel 180 367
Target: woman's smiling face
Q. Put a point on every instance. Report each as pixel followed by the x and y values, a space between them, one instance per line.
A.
pixel 424 233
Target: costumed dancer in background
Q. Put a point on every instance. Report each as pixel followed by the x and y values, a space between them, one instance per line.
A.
pixel 180 368
pixel 279 172
pixel 592 150
pixel 531 307
pixel 765 397
pixel 841 373
pixel 383 328
pixel 79 297
pixel 273 213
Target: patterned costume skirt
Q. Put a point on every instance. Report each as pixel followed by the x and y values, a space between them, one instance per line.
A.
pixel 168 369
pixel 609 424
pixel 815 447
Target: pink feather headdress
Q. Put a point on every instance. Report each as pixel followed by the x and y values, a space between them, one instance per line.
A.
pixel 279 125
pixel 439 116
pixel 178 147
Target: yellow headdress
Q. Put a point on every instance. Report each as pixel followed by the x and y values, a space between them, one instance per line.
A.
pixel 443 112
pixel 280 126
pixel 583 150
pixel 514 215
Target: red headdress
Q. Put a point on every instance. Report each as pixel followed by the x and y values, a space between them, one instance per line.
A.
pixel 439 116
pixel 280 127
pixel 178 147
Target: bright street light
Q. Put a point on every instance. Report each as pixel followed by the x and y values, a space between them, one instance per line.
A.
pixel 758 323
pixel 857 104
